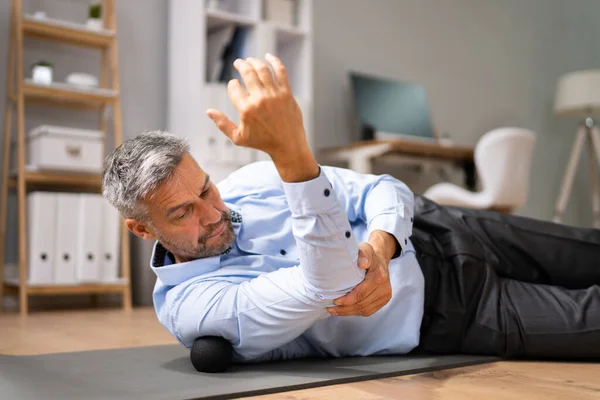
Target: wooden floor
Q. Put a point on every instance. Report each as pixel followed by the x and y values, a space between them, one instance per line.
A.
pixel 53 332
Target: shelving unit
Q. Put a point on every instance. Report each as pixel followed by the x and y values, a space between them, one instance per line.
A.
pixel 66 32
pixel 198 35
pixel 218 18
pixel 21 91
pixel 61 94
pixel 38 180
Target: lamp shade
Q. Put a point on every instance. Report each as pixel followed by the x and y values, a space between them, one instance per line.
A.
pixel 578 94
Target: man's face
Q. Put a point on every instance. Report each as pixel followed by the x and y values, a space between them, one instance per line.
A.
pixel 187 215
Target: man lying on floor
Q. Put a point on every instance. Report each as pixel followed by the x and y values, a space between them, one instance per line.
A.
pixel 289 259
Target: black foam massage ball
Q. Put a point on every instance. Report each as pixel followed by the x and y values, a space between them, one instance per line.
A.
pixel 211 354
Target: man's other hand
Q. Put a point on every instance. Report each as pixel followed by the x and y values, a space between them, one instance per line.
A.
pixel 374 292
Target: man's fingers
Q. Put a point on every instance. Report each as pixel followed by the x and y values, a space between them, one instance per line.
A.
pixel 248 74
pixel 365 255
pixel 281 76
pixel 263 72
pixel 374 307
pixel 372 293
pixel 237 94
pixel 358 294
pixel 366 307
pixel 224 124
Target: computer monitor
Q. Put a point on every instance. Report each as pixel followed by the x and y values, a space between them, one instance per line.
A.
pixel 391 108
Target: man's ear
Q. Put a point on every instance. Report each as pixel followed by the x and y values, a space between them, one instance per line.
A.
pixel 139 229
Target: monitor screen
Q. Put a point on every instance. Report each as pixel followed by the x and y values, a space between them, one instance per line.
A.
pixel 391 107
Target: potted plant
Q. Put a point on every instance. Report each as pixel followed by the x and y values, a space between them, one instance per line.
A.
pixel 94 20
pixel 41 72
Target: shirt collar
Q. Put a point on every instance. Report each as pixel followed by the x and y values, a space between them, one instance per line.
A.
pixel 163 263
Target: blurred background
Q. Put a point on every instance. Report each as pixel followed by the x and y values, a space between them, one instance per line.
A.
pixel 405 87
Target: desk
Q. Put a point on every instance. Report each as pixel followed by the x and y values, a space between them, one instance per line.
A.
pixel 359 155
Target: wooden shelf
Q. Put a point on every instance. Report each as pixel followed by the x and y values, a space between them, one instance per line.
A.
pixel 49 179
pixel 68 95
pixel 82 288
pixel 66 32
pixel 289 33
pixel 218 18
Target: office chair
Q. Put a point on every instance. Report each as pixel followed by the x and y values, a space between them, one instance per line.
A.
pixel 503 159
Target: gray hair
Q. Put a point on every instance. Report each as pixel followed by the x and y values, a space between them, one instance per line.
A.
pixel 136 167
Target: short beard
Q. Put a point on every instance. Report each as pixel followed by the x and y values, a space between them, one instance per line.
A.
pixel 185 252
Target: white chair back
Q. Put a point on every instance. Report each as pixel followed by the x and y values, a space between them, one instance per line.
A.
pixel 503 159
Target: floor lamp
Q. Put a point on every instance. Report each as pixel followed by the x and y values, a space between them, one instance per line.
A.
pixel 578 95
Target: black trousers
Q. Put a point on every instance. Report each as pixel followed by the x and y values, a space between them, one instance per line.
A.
pixel 505 285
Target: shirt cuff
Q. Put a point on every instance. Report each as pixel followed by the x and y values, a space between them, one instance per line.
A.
pixel 310 197
pixel 394 225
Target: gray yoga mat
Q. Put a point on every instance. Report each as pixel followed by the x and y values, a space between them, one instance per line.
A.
pixel 165 372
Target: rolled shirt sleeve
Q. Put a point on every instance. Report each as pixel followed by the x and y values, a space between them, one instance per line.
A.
pixel 381 201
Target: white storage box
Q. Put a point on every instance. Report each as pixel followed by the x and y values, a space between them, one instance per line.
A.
pixel 58 148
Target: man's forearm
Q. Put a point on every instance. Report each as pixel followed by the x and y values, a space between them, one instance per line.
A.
pixel 384 243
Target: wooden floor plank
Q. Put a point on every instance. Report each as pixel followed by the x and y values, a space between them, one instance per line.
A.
pixel 56 332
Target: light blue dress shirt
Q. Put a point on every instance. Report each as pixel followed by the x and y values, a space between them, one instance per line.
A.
pixel 296 250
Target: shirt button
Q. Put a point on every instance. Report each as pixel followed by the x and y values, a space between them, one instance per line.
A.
pixel 405 241
pixel 411 220
pixel 348 234
pixel 282 252
pixel 326 192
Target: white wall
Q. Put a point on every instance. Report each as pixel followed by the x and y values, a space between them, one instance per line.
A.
pixel 484 63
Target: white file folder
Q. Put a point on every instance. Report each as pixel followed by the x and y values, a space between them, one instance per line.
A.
pixel 110 244
pixel 67 219
pixel 41 222
pixel 88 237
pixel 218 146
pixel 211 149
pixel 227 150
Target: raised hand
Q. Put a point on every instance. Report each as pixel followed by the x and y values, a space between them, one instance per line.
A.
pixel 270 118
